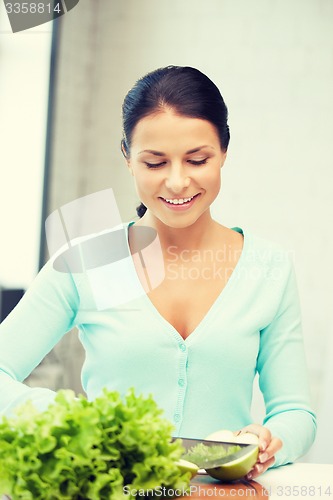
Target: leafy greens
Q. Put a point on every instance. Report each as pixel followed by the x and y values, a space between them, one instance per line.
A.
pixel 78 449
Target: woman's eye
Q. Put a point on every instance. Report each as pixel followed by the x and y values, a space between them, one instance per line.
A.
pixel 198 162
pixel 154 165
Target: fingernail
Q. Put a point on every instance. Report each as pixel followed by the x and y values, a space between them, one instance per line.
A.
pixel 259 468
pixel 250 475
pixel 263 457
pixel 263 445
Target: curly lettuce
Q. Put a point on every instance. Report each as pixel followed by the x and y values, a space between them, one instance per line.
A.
pixel 78 449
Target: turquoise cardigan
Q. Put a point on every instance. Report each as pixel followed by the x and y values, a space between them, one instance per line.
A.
pixel 203 383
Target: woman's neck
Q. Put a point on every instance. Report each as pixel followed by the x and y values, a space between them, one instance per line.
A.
pixel 200 234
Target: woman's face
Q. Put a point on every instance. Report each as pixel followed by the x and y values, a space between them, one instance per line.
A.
pixel 176 163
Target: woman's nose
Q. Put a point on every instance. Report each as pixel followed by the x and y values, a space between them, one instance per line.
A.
pixel 177 179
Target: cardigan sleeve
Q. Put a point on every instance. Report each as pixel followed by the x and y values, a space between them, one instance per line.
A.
pixel 283 374
pixel 43 315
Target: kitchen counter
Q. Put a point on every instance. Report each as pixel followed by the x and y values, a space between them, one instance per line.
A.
pixel 303 480
pixel 313 481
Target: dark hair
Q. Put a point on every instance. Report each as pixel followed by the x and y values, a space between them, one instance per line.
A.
pixel 188 91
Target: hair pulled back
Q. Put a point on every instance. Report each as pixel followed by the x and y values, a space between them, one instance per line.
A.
pixel 184 89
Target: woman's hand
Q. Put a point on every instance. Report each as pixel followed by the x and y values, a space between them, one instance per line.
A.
pixel 268 447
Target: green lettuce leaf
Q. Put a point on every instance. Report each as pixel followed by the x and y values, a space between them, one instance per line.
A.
pixel 79 449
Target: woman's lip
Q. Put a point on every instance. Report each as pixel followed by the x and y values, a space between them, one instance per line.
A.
pixel 179 207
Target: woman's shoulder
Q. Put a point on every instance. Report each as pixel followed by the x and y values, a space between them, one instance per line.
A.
pixel 264 251
pixel 52 283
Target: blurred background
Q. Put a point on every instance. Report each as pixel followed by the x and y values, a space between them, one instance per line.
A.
pixel 61 90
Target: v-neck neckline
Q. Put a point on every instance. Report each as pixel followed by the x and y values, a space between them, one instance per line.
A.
pixel 187 340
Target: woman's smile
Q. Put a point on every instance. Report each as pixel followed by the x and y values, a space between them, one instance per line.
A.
pixel 179 204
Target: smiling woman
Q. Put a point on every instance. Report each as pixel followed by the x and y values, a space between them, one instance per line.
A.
pixel 196 338
pixel 176 93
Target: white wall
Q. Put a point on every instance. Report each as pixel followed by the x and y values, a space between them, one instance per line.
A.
pixel 24 80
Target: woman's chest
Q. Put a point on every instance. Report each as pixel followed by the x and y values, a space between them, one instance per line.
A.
pixel 187 294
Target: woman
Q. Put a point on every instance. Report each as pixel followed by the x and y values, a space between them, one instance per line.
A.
pixel 224 308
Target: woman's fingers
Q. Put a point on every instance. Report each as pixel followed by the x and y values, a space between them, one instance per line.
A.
pixel 273 447
pixel 260 468
pixel 262 432
pixel 268 447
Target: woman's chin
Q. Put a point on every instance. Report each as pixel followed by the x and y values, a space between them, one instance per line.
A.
pixel 177 222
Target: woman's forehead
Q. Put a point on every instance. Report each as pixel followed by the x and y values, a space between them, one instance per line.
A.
pixel 165 127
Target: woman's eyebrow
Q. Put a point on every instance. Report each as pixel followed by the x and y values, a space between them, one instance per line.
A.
pixel 195 150
pixel 159 153
pixel 156 153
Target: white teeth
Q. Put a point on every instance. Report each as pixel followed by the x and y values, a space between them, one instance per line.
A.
pixel 179 201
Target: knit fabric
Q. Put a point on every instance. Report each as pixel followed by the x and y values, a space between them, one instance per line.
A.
pixel 203 383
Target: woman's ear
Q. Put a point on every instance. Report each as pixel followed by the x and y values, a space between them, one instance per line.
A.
pixel 125 154
pixel 123 149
